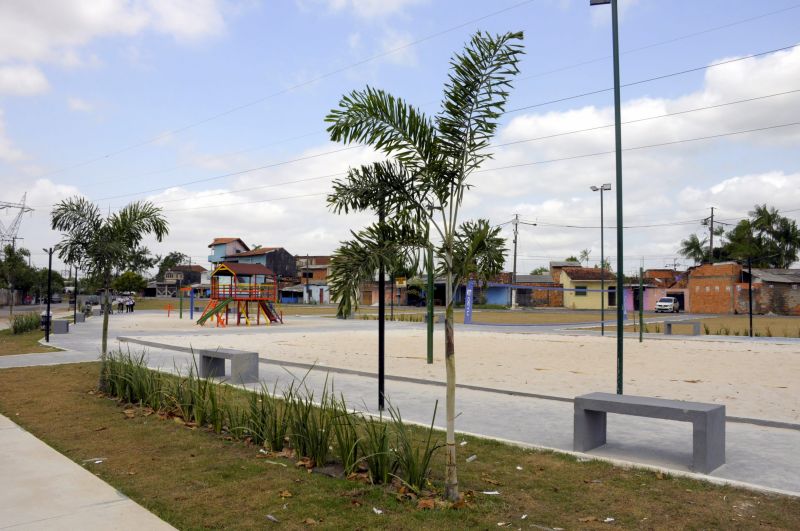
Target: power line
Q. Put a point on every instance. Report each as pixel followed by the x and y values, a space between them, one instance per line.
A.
pixel 648 80
pixel 661 43
pixel 296 86
pixel 587 155
pixel 555 135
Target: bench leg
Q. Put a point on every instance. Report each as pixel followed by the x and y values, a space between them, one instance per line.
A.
pixel 212 367
pixel 589 429
pixel 244 369
pixel 709 442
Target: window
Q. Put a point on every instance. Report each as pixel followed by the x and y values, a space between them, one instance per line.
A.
pixel 580 291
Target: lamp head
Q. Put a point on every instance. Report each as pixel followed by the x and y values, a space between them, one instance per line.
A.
pixel 594 188
pixel 607 186
pixel 599 2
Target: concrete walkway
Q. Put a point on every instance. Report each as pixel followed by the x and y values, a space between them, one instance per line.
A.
pixel 760 457
pixel 42 489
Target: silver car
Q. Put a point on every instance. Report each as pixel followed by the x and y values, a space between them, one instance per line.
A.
pixel 668 304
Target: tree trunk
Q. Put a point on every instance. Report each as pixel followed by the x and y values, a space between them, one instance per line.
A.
pixel 104 341
pixel 451 476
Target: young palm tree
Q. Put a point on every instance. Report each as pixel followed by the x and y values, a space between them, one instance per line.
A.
pixel 694 248
pixel 101 244
pixel 422 188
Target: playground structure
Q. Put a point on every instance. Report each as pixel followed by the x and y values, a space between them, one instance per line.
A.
pixel 250 290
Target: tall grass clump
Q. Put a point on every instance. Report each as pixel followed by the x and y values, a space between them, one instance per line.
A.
pixel 345 434
pixel 309 425
pixel 374 447
pixel 706 329
pixel 24 322
pixel 413 457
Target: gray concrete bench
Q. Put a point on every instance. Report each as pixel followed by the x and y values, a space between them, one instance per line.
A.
pixel 244 365
pixel 669 324
pixel 708 422
pixel 80 318
pixel 60 326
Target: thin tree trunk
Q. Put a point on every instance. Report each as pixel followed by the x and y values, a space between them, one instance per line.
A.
pixel 104 341
pixel 451 475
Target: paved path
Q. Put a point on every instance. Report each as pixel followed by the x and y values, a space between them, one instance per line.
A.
pixel 764 457
pixel 42 489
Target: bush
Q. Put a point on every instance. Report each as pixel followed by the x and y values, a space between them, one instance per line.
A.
pixel 24 322
pixel 261 417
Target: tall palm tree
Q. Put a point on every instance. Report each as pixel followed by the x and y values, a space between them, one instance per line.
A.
pixel 101 244
pixel 695 248
pixel 422 188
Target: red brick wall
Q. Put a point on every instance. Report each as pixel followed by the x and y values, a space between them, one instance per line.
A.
pixel 550 298
pixel 712 288
pixel 781 299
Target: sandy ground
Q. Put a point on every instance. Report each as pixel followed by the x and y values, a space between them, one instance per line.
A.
pixel 760 380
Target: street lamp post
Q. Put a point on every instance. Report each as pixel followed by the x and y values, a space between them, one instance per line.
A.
pixel 618 143
pixel 47 321
pixel 601 189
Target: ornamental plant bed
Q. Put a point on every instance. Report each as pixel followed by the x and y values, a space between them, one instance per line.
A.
pixel 194 478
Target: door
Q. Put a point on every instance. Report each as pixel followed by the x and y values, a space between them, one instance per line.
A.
pixel 612 296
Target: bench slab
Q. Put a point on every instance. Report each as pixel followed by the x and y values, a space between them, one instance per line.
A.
pixel 244 364
pixel 708 423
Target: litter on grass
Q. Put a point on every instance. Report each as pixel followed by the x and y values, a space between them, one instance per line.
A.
pixel 272 518
pixel 376 510
pixel 490 492
pixel 471 458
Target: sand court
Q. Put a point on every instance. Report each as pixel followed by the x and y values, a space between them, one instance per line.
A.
pixel 753 379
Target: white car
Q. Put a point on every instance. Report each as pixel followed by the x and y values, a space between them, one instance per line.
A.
pixel 668 304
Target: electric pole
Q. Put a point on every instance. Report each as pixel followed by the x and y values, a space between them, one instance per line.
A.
pixel 711 237
pixel 514 272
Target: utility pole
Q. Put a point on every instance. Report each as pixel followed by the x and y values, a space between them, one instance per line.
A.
pixel 750 292
pixel 514 272
pixel 711 237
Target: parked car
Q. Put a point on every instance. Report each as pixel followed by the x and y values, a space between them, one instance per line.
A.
pixel 668 304
pixel 55 299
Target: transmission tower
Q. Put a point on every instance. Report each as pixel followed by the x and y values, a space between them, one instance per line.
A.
pixel 9 234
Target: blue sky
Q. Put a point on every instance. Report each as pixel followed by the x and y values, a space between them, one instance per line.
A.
pixel 96 98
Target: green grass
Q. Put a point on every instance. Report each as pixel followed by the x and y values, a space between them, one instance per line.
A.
pixel 194 478
pixel 25 343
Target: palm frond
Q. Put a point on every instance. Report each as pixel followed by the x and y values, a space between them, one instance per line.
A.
pixel 389 124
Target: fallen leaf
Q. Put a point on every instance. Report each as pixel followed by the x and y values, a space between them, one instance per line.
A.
pixel 489 480
pixel 425 504
pixel 285 494
pixel 147 411
pixel 130 413
pixel 310 521
pixel 588 519
pixel 101 428
pixel 177 420
pixel 659 475
pixel 131 473
pixel 272 518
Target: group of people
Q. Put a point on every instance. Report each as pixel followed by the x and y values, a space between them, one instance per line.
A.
pixel 124 304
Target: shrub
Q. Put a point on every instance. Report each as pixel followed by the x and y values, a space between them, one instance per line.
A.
pixel 374 447
pixel 24 322
pixel 706 329
pixel 414 460
pixel 345 434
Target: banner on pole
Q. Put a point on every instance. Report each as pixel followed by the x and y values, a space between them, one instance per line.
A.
pixel 468 302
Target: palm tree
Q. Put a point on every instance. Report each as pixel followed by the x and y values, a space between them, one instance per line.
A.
pixel 422 188
pixel 101 244
pixel 695 248
pixel 584 256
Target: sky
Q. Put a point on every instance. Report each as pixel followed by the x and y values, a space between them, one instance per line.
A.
pixel 214 110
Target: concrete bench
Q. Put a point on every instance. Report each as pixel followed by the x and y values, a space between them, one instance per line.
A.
pixel 669 324
pixel 80 318
pixel 708 422
pixel 60 326
pixel 244 364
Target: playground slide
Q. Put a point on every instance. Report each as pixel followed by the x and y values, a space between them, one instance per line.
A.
pixel 214 311
pixel 269 310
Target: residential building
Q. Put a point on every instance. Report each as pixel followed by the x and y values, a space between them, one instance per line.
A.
pixel 582 287
pixel 313 267
pixel 234 250
pixel 556 267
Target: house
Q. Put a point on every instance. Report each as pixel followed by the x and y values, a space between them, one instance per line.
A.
pixel 712 287
pixel 774 290
pixel 188 274
pixel 234 250
pixel 660 283
pixel 582 287
pixel 550 295
pixel 314 267
pixel 556 267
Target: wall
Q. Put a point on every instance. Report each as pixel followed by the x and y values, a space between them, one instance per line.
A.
pixel 591 301
pixel 778 298
pixel 548 298
pixel 711 288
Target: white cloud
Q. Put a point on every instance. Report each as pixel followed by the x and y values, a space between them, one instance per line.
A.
pixel 404 55
pixel 367 9
pixel 8 153
pixel 24 80
pixel 55 30
pixel 79 105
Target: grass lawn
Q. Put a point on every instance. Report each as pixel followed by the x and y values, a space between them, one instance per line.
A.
pixel 195 479
pixel 27 343
pixel 533 317
pixel 731 325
